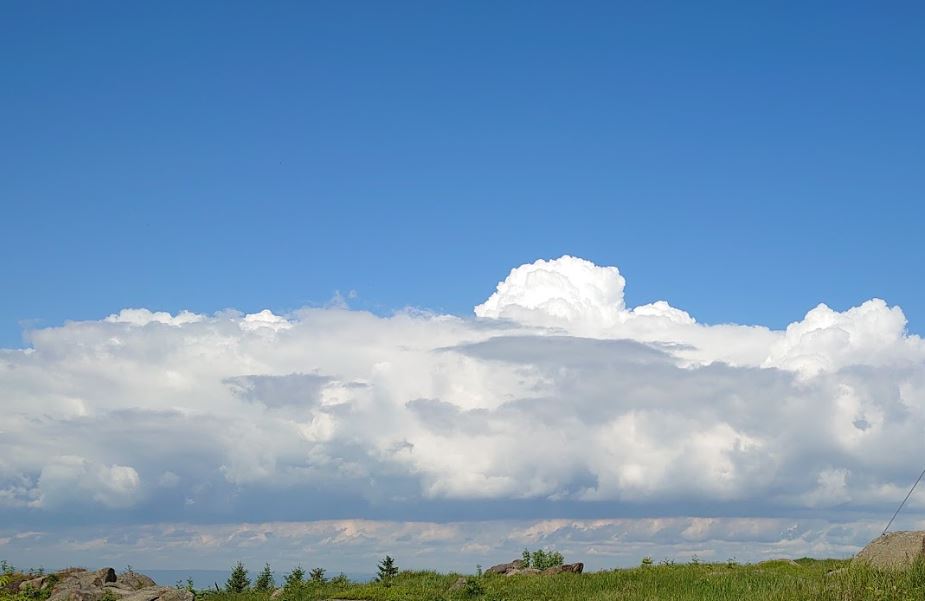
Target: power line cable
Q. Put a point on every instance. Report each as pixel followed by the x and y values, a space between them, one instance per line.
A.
pixel 898 509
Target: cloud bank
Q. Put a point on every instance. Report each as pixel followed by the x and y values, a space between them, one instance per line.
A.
pixel 555 402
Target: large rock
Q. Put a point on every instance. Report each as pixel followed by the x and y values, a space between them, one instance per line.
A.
pixel 504 568
pixel 69 572
pixel 98 578
pixel 459 585
pixel 35 584
pixel 160 593
pixel 73 592
pixel 519 567
pixel 133 581
pixel 893 551
pixel 77 584
pixel 145 594
pixel 175 594
pixel 568 568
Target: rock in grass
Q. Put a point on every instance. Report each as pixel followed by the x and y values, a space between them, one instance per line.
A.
pixel 571 568
pixel 893 551
pixel 77 584
pixel 35 584
pixel 519 567
pixel 504 568
pixel 133 581
pixel 160 593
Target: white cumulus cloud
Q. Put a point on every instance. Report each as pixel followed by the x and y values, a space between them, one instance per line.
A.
pixel 71 479
pixel 556 399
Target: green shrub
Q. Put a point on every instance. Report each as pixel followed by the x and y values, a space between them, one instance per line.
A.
pixel 541 559
pixel 387 570
pixel 11 579
pixel 317 576
pixel 294 578
pixel 474 587
pixel 238 582
pixel 264 582
pixel 108 596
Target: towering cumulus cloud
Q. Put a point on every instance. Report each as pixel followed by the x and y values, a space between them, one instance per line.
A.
pixel 567 292
pixel 577 296
pixel 556 401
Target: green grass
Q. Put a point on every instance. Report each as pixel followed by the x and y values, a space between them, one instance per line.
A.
pixel 804 580
pixel 807 580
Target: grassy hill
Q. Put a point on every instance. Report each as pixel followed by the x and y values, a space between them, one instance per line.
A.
pixel 804 580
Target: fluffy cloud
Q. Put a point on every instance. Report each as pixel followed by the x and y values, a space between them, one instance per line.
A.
pixel 558 400
pixel 871 334
pixel 141 317
pixel 69 479
pixel 575 295
pixel 568 292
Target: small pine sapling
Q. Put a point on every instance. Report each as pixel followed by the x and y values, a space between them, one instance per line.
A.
pixel 294 578
pixel 474 587
pixel 264 582
pixel 238 582
pixel 387 571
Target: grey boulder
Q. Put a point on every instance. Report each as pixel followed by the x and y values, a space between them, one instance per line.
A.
pixel 133 581
pixel 159 593
pixel 78 584
pixel 893 551
pixel 567 568
pixel 504 568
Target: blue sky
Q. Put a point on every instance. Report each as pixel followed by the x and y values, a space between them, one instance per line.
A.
pixel 745 162
pixel 609 212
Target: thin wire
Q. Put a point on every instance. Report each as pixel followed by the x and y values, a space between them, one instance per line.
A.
pixel 898 509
